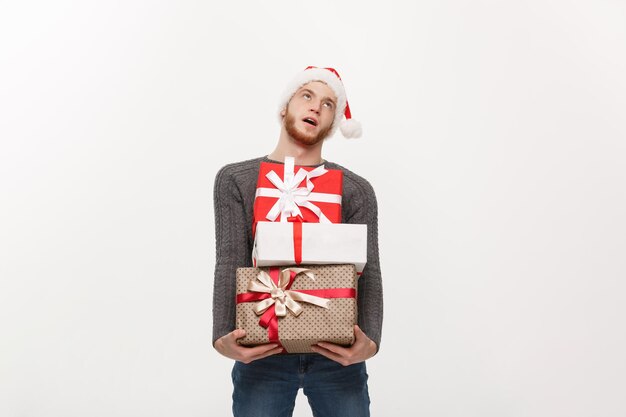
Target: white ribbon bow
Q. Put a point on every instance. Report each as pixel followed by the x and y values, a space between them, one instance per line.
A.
pixel 284 299
pixel 291 197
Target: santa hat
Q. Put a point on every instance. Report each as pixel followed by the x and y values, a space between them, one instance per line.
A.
pixel 350 128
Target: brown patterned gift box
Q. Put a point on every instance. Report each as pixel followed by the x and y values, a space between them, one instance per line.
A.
pixel 297 306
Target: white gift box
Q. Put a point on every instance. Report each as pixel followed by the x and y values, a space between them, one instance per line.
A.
pixel 275 244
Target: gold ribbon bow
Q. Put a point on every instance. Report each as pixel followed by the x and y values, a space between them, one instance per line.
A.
pixel 283 299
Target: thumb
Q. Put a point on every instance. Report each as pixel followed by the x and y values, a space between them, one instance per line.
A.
pixel 238 333
pixel 358 333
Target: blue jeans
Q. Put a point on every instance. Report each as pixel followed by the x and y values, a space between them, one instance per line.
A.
pixel 268 387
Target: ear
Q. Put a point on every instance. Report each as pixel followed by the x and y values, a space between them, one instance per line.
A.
pixel 282 112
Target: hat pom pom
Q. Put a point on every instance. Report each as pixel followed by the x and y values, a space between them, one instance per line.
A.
pixel 350 128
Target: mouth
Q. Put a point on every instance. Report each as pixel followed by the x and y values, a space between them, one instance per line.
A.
pixel 310 121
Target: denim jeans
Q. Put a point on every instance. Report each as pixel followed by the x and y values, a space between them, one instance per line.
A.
pixel 268 387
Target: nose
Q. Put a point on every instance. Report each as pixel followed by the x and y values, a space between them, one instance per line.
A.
pixel 316 106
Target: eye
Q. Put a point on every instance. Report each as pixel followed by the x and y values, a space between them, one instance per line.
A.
pixel 328 104
pixel 307 96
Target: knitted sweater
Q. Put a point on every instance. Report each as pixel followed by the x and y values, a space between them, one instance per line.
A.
pixel 234 191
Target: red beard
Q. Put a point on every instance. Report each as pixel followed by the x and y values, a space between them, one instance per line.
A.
pixel 302 137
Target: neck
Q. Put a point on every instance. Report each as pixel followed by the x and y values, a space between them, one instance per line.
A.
pixel 304 155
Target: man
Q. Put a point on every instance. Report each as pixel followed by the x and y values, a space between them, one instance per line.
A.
pixel 334 378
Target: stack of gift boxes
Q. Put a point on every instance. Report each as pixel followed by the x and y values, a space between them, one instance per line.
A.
pixel 303 286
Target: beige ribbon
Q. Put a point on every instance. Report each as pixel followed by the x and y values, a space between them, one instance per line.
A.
pixel 282 298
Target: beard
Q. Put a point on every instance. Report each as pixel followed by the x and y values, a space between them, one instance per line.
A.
pixel 302 137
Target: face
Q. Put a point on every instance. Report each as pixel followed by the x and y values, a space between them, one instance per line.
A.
pixel 310 113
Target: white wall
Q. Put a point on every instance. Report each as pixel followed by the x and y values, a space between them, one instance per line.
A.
pixel 494 136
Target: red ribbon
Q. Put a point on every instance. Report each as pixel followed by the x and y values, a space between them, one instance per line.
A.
pixel 297 242
pixel 297 238
pixel 269 320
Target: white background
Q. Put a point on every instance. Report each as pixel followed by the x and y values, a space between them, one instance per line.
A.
pixel 494 135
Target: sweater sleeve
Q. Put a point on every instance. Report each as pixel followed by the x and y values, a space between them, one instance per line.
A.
pixel 231 249
pixel 370 290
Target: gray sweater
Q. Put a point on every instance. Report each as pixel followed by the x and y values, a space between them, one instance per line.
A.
pixel 235 186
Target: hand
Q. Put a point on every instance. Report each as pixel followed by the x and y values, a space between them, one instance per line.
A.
pixel 363 348
pixel 227 345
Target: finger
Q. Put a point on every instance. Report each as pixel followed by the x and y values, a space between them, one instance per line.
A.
pixel 361 339
pixel 237 334
pixel 269 353
pixel 339 350
pixel 257 350
pixel 330 355
pixel 358 333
